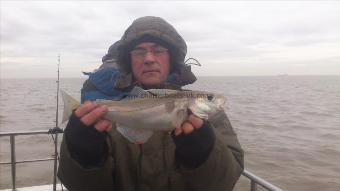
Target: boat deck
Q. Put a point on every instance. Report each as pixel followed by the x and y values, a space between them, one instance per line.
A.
pixel 48 187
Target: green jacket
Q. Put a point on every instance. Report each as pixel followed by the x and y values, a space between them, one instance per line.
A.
pixel 152 166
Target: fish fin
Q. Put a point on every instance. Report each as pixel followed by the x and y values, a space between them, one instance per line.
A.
pixel 134 135
pixel 200 110
pixel 69 105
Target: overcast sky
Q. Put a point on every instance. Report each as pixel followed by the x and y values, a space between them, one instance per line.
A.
pixel 229 38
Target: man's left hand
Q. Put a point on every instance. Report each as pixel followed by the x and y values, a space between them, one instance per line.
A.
pixel 193 122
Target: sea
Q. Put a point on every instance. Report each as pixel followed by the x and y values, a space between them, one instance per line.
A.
pixel 288 126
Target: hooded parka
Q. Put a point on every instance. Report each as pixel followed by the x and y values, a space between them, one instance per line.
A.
pixel 153 165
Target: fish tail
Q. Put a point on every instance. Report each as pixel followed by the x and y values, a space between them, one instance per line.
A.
pixel 69 105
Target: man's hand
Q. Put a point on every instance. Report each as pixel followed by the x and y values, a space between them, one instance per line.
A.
pixel 194 141
pixel 189 125
pixel 91 113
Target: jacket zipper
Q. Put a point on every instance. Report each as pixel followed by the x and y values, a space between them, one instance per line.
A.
pixel 165 157
pixel 138 168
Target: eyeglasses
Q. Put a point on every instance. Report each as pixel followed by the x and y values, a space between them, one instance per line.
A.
pixel 141 52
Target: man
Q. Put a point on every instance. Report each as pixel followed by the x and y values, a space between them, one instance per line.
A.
pixel 198 155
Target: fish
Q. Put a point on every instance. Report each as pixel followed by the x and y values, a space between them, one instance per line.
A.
pixel 144 112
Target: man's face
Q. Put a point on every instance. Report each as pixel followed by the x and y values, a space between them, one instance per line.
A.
pixel 150 64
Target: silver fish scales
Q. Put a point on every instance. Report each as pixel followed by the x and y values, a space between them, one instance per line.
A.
pixel 146 111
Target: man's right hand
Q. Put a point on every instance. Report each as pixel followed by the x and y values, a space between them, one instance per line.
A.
pixel 90 113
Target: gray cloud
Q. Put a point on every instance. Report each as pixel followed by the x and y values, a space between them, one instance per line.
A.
pixel 230 38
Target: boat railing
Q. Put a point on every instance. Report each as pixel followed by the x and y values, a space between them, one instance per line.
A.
pixel 255 181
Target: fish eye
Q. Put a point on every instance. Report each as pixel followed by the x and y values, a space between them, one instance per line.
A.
pixel 210 97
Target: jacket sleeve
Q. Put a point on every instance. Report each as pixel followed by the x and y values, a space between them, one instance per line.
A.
pixel 224 164
pixel 75 177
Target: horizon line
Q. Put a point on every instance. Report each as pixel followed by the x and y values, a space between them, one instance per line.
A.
pixel 273 75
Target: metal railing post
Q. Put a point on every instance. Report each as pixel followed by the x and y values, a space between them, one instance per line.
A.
pixel 253 185
pixel 13 162
pixel 55 162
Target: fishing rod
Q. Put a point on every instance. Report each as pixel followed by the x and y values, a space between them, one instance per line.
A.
pixel 56 130
pixel 57 111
